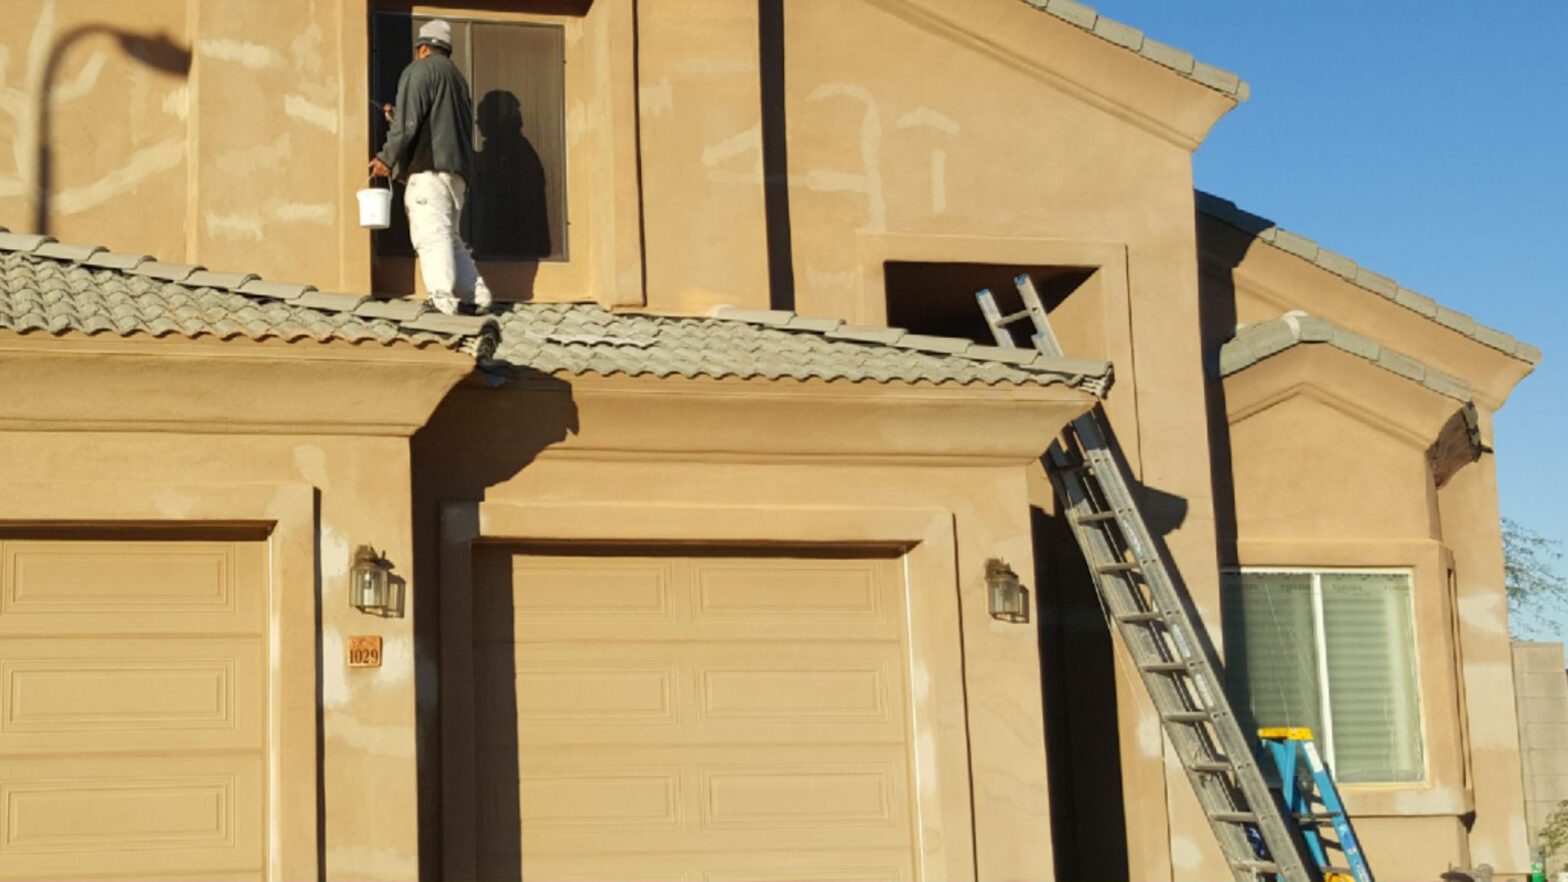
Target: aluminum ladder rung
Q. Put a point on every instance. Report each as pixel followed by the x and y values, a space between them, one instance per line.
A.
pixel 1171 667
pixel 1211 766
pixel 1123 567
pixel 1235 817
pixel 1097 517
pixel 1187 716
pixel 1139 618
pixel 1256 866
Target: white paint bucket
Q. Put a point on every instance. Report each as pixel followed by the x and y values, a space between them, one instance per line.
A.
pixel 375 206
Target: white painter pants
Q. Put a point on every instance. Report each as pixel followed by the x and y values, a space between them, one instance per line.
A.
pixel 434 201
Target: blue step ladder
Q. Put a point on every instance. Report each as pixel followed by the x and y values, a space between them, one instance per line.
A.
pixel 1312 801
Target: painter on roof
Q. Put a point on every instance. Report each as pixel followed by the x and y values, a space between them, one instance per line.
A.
pixel 430 148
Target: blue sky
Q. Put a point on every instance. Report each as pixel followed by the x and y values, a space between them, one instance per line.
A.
pixel 1429 142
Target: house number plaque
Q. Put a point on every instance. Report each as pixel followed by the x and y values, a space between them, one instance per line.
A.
pixel 364 652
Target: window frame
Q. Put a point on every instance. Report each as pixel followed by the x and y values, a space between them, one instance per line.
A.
pixel 1325 739
pixel 414 17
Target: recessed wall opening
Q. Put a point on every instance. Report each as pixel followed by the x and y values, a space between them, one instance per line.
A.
pixel 517 204
pixel 939 298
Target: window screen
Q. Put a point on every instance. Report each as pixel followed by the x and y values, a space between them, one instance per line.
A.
pixel 516 207
pixel 1334 651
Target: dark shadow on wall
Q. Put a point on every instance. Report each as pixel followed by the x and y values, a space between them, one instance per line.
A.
pixel 507 214
pixel 157 52
pixel 1083 748
pixel 1221 248
pixel 480 436
pixel 775 155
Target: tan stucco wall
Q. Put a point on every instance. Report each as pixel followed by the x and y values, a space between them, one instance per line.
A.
pixel 322 478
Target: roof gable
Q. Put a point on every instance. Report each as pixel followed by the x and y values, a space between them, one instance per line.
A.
pixel 1256 342
pixel 1264 230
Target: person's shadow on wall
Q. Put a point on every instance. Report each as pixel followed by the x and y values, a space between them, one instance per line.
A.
pixel 508 210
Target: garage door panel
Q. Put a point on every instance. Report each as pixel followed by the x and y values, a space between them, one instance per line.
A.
pixel 868 865
pixel 708 798
pixel 123 694
pixel 114 587
pixel 133 709
pixel 130 815
pixel 634 598
pixel 701 693
pixel 794 593
pixel 694 717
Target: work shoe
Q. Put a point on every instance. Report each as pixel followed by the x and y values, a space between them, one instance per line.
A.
pixel 446 303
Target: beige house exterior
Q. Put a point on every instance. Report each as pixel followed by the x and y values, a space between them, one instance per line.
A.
pixel 691 538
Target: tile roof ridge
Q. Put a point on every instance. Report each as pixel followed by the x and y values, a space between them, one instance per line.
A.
pixel 409 315
pixel 1265 230
pixel 1257 341
pixel 1087 18
pixel 961 347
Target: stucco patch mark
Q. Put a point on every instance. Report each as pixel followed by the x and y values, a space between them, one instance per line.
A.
pixel 397 662
pixel 738 145
pixel 81 84
pixel 389 742
pixel 252 56
pixel 926 116
pixel 243 160
pixel 1185 853
pixel 1150 740
pixel 143 164
pixel 869 179
pixel 1488 613
pixel 174 505
pixel 310 462
pixel 657 99
pixel 234 227
pixel 306 49
pixel 177 102
pixel 305 110
pixel 302 212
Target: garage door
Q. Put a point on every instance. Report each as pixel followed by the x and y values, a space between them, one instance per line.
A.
pixel 704 717
pixel 132 709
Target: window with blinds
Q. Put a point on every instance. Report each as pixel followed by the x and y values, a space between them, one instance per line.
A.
pixel 516 208
pixel 1333 650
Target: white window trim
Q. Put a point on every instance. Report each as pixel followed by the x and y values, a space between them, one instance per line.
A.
pixel 1325 739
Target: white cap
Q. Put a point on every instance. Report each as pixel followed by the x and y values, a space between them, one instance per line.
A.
pixel 437 33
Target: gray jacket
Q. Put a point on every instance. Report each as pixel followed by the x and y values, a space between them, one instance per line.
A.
pixel 433 124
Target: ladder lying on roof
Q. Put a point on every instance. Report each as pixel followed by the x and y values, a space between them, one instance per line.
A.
pixel 1140 597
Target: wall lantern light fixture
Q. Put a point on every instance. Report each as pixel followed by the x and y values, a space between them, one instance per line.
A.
pixel 1007 598
pixel 373 589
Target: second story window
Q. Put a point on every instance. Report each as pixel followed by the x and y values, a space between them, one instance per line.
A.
pixel 1332 650
pixel 516 207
